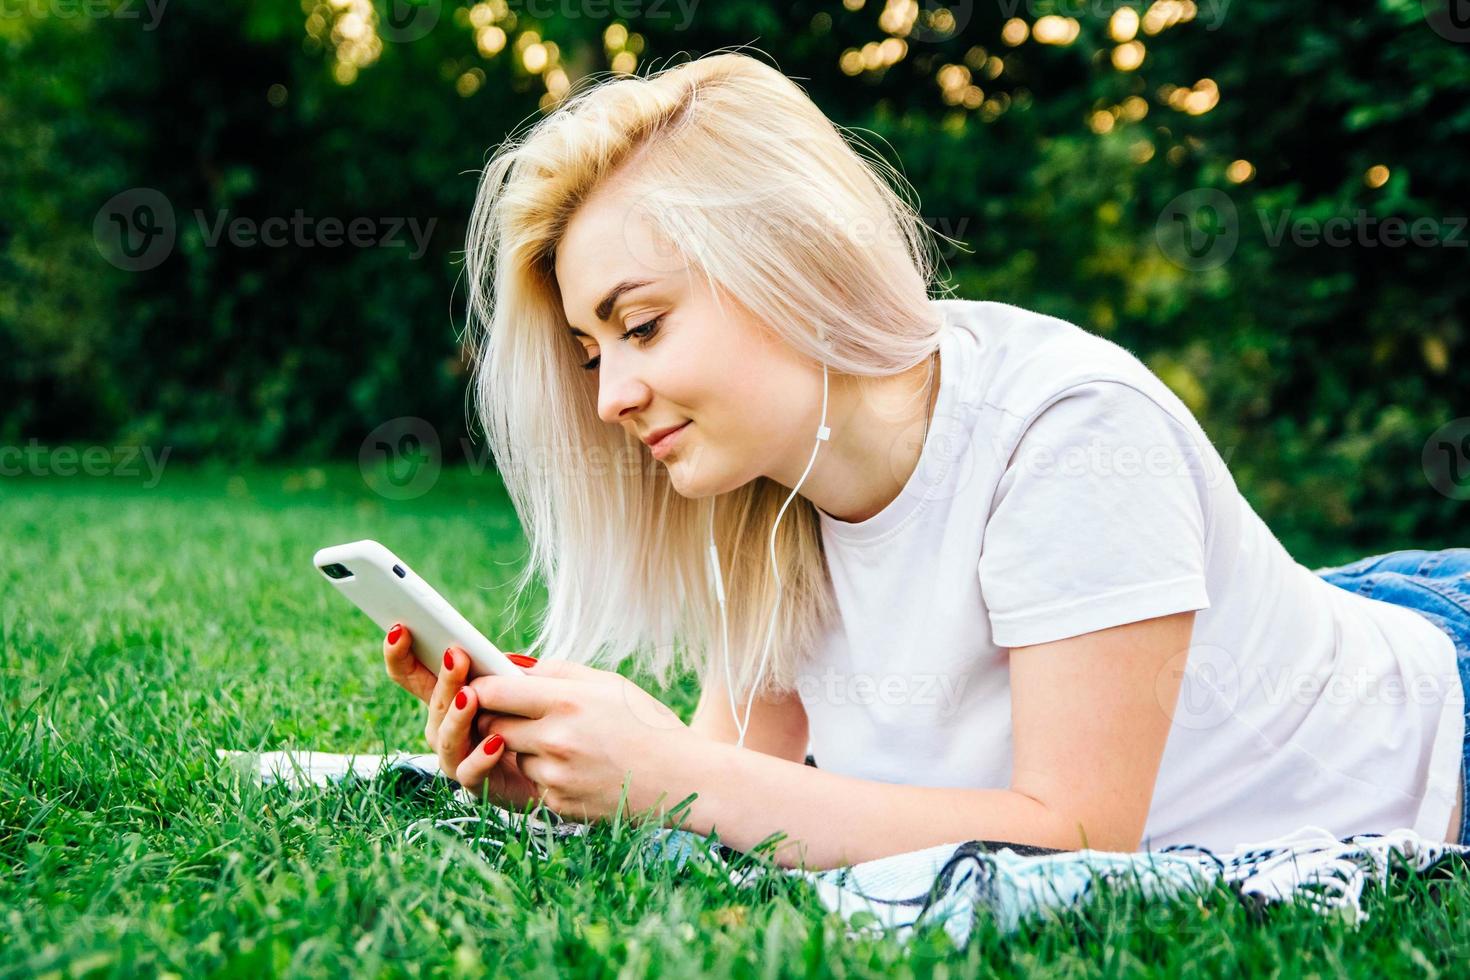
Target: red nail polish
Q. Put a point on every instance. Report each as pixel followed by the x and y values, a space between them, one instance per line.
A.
pixel 460 700
pixel 395 633
pixel 448 660
pixel 521 660
pixel 493 743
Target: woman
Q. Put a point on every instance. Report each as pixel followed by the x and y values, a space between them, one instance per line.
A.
pixel 1012 592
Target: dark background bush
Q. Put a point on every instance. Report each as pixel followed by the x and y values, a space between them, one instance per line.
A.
pixel 1320 371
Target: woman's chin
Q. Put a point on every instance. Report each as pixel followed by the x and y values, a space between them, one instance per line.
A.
pixel 684 481
pixel 690 479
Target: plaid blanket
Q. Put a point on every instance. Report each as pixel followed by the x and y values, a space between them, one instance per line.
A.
pixel 951 884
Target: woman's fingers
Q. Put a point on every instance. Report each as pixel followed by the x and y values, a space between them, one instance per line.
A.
pixel 403 667
pixel 475 768
pixel 495 769
pixel 454 731
pixel 530 695
pixel 483 719
pixel 451 679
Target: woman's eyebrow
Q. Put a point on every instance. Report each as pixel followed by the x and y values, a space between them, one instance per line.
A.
pixel 605 305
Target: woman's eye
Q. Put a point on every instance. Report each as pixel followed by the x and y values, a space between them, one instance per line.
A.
pixel 641 332
pixel 644 330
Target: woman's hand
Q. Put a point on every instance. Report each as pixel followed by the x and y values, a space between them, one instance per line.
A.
pixel 578 731
pixel 456 731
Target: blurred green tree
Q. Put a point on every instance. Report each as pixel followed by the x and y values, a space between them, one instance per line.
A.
pixel 1161 173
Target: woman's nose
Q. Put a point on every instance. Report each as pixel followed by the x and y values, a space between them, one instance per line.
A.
pixel 620 393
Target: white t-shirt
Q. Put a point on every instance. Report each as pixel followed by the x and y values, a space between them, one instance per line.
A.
pixel 1063 488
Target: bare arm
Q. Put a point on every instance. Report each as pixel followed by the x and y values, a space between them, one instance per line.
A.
pixel 1090 715
pixel 778 725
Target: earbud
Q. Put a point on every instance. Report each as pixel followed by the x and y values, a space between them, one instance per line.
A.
pixel 824 434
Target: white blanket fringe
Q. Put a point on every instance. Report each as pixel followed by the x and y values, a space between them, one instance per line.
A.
pixel 951 883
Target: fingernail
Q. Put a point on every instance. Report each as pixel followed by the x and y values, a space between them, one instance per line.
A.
pixel 493 743
pixel 448 660
pixel 521 660
pixel 460 700
pixel 395 633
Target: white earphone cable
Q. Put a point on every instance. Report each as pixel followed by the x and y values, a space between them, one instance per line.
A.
pixel 823 434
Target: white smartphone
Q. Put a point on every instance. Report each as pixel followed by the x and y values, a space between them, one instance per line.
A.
pixel 382 585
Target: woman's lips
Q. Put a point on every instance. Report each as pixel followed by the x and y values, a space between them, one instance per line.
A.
pixel 665 445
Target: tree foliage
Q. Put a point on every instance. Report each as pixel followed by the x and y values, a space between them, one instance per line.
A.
pixel 1051 139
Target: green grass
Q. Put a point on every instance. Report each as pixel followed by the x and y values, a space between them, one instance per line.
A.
pixel 142 628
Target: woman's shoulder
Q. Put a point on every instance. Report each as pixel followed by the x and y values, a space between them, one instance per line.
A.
pixel 1019 362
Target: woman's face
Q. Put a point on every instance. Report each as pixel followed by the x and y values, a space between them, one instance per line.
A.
pixel 665 355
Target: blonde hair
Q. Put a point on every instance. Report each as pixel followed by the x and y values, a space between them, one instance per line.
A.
pixel 764 196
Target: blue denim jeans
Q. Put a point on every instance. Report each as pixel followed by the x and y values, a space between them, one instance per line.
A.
pixel 1436 585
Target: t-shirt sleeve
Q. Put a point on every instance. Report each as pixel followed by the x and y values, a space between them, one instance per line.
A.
pixel 1098 519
